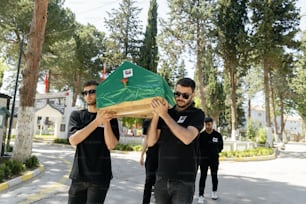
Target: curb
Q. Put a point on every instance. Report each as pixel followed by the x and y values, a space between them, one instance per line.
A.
pixel 26 176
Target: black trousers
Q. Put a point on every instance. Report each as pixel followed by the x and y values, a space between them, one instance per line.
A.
pixel 87 193
pixel 214 165
pixel 151 167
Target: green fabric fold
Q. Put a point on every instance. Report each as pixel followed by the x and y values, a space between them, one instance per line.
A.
pixel 130 82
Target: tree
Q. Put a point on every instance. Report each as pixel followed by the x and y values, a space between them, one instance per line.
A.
pixel 275 26
pixel 149 50
pixel 15 20
pixel 215 92
pixel 232 46
pixel 298 85
pixel 25 119
pixel 280 91
pixel 125 31
pixel 78 59
pixel 186 33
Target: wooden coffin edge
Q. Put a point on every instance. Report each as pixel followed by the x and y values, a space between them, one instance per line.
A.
pixel 134 109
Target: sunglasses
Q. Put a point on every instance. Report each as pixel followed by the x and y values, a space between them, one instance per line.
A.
pixel 184 95
pixel 90 92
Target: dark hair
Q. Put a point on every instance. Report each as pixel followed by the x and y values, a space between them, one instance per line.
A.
pixel 208 120
pixel 186 82
pixel 90 83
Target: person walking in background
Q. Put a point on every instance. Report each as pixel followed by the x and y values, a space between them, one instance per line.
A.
pixel 94 133
pixel 176 130
pixel 211 144
pixel 151 163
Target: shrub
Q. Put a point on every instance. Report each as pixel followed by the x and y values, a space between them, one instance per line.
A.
pixel 61 141
pixel 9 148
pixel 6 170
pixel 32 162
pixel 2 174
pixel 137 148
pixel 259 151
pixel 124 147
pixel 250 131
pixel 10 168
pixel 16 167
pixel 261 136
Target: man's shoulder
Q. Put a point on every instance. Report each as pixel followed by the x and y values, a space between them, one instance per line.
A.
pixel 217 133
pixel 78 112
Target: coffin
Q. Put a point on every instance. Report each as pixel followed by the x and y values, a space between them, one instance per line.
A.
pixel 129 90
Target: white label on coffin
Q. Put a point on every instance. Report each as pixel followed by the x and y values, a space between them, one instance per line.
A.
pixel 127 73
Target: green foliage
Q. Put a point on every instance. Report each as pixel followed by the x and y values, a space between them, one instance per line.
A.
pixel 61 141
pixel 9 168
pixel 125 28
pixel 128 147
pixel 298 85
pixel 259 151
pixel 233 47
pixel 131 122
pixel 16 167
pixel 32 162
pixel 149 50
pixel 9 148
pixel 251 131
pixel 275 25
pixel 123 147
pixel 261 136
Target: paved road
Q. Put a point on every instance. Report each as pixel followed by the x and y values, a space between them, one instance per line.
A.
pixel 279 181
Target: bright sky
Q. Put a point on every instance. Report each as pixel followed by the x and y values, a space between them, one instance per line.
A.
pixel 94 11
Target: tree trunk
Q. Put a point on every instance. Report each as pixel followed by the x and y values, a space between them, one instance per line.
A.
pixel 25 119
pixel 282 121
pixel 249 109
pixel 304 129
pixel 267 102
pixel 276 138
pixel 234 117
pixel 77 88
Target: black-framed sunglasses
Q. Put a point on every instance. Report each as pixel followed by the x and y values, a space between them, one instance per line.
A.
pixel 90 92
pixel 184 95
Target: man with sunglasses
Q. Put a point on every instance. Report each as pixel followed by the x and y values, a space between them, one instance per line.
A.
pixel 94 133
pixel 176 130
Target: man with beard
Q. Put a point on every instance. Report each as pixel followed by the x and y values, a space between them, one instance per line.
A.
pixel 176 130
pixel 94 133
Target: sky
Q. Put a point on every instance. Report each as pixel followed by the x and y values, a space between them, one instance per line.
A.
pixel 94 11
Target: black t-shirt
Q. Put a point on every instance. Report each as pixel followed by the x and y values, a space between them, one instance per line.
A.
pixel 177 160
pixel 92 161
pixel 152 152
pixel 210 145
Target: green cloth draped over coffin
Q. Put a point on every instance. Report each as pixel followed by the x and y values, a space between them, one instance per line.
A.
pixel 129 90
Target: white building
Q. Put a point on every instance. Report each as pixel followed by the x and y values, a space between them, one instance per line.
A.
pixel 293 123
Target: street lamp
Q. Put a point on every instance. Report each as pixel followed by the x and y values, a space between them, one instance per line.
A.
pixel 15 91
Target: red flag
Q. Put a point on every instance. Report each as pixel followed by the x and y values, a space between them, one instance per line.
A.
pixel 46 81
pixel 103 71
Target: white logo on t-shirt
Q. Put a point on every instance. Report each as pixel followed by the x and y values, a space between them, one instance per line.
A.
pixel 214 139
pixel 181 119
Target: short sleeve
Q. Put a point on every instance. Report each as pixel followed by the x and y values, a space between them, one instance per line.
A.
pixel 74 123
pixel 197 120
